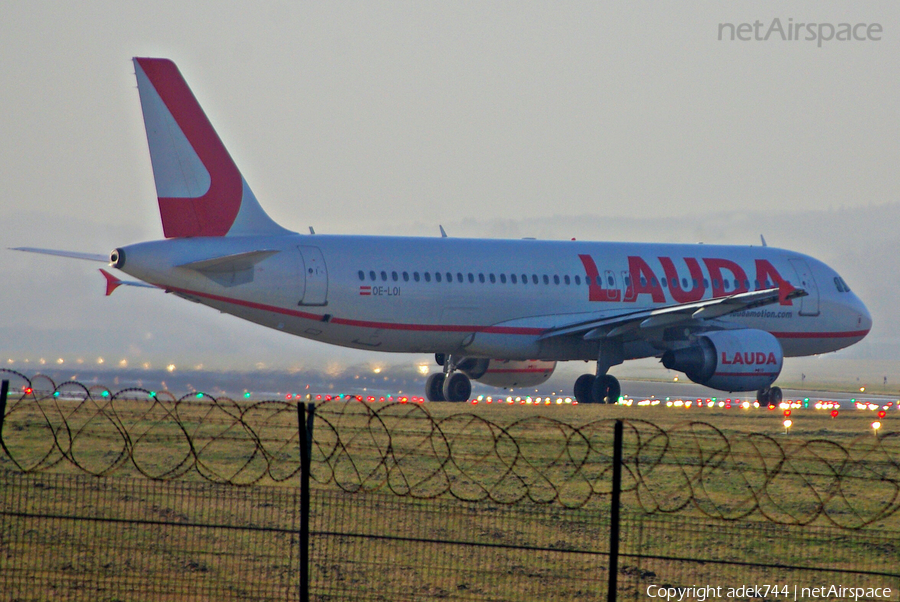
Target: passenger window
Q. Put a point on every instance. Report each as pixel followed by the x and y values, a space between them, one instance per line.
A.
pixel 471 277
pixel 362 276
pixel 756 284
pixel 684 283
pixel 555 279
pixel 534 278
pixel 492 279
pixel 727 284
pixel 627 280
pixel 383 276
pixel 449 278
pixel 664 283
pixel 643 281
pixel 577 279
pixel 394 276
pixel 416 276
pixel 427 276
pixel 372 275
pixel 459 277
pixel 653 282
pixel 747 284
pixel 512 278
pixel 405 276
pixel 715 283
pixel 546 279
pixel 481 278
pixel 502 278
pixel 566 280
pixel 705 283
pixel 437 276
pixel 524 278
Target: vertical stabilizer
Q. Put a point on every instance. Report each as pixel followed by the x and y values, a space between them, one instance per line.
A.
pixel 201 191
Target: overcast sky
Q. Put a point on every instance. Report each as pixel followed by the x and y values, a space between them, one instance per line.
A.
pixel 607 120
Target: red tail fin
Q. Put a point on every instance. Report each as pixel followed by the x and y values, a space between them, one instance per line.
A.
pixel 200 189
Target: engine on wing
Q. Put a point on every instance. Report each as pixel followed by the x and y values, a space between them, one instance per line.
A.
pixel 730 360
pixel 507 374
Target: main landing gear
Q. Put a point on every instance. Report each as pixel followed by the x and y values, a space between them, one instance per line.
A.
pixel 769 395
pixel 449 385
pixel 597 389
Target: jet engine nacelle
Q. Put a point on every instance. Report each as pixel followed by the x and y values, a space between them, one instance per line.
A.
pixel 730 360
pixel 507 374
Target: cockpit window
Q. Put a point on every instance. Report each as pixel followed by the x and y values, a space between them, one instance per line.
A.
pixel 846 288
pixel 838 285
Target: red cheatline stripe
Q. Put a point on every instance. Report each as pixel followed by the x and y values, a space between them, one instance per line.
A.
pixel 362 323
pixel 820 335
pixel 452 327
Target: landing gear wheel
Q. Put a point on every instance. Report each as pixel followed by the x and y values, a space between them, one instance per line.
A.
pixel 434 387
pixel 457 387
pixel 583 388
pixel 606 389
pixel 769 396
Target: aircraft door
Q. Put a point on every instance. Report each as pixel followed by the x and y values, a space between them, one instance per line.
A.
pixel 609 284
pixel 809 305
pixel 316 275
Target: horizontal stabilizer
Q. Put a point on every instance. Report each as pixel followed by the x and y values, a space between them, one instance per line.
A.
pixel 229 263
pixel 69 254
pixel 112 283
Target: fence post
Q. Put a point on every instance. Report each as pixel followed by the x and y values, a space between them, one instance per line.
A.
pixel 305 414
pixel 4 391
pixel 614 514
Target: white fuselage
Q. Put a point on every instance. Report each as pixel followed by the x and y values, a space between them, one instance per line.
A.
pixel 494 298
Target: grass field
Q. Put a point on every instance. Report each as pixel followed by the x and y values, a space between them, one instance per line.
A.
pixel 532 478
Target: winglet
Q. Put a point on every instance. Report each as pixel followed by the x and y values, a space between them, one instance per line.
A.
pixel 112 283
pixel 785 292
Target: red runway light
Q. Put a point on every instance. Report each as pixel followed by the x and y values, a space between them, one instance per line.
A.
pixel 787 413
pixel 834 413
pixel 882 413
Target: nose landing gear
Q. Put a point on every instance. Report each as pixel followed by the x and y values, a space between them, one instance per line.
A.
pixel 769 395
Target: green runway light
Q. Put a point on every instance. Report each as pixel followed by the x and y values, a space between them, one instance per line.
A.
pixel 56 394
pixel 199 395
pixel 247 395
pixel 105 394
pixel 152 393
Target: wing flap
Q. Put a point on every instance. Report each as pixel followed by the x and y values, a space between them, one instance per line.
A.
pixel 613 326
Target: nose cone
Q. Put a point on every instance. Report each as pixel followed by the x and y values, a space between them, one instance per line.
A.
pixel 864 318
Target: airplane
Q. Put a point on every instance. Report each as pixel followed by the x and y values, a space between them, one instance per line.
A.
pixel 501 312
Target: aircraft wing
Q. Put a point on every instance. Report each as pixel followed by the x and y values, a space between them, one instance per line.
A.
pixel 69 254
pixel 673 315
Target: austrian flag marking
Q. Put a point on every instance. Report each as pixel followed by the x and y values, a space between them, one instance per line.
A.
pixel 365 291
